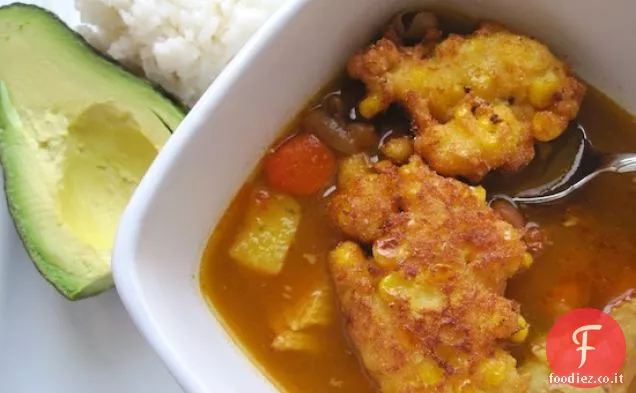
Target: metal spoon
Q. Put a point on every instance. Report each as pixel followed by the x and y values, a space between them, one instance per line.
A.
pixel 588 163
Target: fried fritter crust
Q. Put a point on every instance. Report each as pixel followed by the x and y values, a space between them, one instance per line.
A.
pixel 478 102
pixel 371 201
pixel 425 310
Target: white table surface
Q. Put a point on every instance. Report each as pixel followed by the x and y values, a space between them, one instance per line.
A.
pixel 51 345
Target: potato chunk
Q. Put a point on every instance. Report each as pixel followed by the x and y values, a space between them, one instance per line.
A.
pixel 267 233
pixel 314 310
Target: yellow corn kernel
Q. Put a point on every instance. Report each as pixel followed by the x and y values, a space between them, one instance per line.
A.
pixel 524 328
pixel 441 273
pixel 347 254
pixel 493 371
pixel 420 297
pixel 480 192
pixel 426 299
pixel 462 111
pixel 487 128
pixel 371 105
pixel 352 168
pixel 414 76
pixel 398 150
pixel 385 262
pixel 411 188
pixel 543 89
pixel 430 373
pixel 443 103
pixel 393 286
pixel 388 255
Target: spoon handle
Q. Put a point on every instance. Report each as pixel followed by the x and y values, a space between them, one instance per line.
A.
pixel 621 163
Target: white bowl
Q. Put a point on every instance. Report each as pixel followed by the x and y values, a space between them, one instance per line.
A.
pixel 167 224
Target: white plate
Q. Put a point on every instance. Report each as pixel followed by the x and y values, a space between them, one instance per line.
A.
pixel 51 345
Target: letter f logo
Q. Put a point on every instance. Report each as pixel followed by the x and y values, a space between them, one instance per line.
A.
pixel 569 343
pixel 583 343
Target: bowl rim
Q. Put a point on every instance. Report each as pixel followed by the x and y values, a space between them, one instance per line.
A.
pixel 127 283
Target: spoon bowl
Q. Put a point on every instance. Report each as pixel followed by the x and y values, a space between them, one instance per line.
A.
pixel 587 164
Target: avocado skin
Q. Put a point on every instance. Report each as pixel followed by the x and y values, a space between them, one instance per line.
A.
pixel 34 250
pixel 29 246
pixel 156 87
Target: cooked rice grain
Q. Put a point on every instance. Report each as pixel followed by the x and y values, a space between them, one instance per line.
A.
pixel 180 44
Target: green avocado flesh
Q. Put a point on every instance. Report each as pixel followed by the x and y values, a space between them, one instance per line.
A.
pixel 77 134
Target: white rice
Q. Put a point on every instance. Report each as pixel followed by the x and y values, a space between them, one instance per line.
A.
pixel 180 44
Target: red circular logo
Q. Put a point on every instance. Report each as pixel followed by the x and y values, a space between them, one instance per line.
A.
pixel 586 348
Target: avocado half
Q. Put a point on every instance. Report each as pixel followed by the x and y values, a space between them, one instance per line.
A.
pixel 77 134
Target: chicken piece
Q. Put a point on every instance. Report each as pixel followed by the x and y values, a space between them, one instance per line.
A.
pixel 477 102
pixel 426 310
pixel 537 368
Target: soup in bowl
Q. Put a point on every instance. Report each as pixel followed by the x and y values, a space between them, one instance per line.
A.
pixel 365 252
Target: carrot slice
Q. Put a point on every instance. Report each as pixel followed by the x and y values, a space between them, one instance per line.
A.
pixel 302 166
